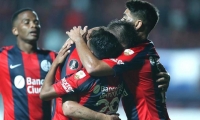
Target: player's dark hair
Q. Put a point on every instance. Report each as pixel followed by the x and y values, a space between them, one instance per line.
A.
pixel 125 32
pixel 104 44
pixel 145 11
pixel 15 15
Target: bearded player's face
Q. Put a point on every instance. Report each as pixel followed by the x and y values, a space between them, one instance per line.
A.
pixel 127 16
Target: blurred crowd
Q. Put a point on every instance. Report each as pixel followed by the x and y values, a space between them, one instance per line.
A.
pixel 178 27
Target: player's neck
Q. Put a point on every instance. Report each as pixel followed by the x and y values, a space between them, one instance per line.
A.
pixel 27 47
pixel 142 36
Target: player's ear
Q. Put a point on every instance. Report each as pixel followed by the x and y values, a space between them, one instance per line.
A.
pixel 138 24
pixel 15 31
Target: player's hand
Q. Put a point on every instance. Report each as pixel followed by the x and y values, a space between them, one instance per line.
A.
pixel 114 117
pixel 68 42
pixel 75 34
pixel 84 30
pixel 163 81
pixel 164 78
pixel 85 33
pixel 111 117
pixel 64 51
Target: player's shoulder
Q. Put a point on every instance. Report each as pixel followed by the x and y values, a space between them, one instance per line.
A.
pixel 5 48
pixel 46 51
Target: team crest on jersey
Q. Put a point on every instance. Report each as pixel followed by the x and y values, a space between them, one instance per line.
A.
pixel 152 61
pixel 79 75
pixel 19 82
pixel 45 65
pixel 73 64
pixel 128 52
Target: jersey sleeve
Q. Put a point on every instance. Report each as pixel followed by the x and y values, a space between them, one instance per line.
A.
pixel 126 61
pixel 71 85
pixel 133 58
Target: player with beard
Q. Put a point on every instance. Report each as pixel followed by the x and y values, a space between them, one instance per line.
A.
pixel 77 64
pixel 145 101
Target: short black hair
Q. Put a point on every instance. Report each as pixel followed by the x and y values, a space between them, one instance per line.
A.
pixel 104 44
pixel 145 11
pixel 124 31
pixel 15 15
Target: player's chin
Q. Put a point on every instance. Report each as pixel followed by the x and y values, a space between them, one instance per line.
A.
pixel 33 38
pixel 31 41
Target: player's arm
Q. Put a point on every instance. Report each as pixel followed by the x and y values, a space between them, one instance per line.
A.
pixel 66 86
pixel 74 110
pixel 47 91
pixel 93 65
pixel 98 67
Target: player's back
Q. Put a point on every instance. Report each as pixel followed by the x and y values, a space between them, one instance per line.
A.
pixel 144 101
pixel 21 78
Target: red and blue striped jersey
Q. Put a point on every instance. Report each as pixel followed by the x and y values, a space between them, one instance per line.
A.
pixel 144 100
pixel 71 65
pixel 101 94
pixel 21 77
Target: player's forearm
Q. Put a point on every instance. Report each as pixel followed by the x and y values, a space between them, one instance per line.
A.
pixel 47 86
pixel 93 65
pixel 88 60
pixel 74 110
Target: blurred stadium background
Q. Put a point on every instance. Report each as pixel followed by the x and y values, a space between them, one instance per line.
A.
pixel 176 37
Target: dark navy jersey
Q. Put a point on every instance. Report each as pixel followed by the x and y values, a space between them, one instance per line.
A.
pixel 71 65
pixel 144 100
pixel 21 77
pixel 101 94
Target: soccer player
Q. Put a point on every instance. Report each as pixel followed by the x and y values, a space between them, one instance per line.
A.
pixel 101 94
pixel 73 64
pixel 23 68
pixel 145 101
